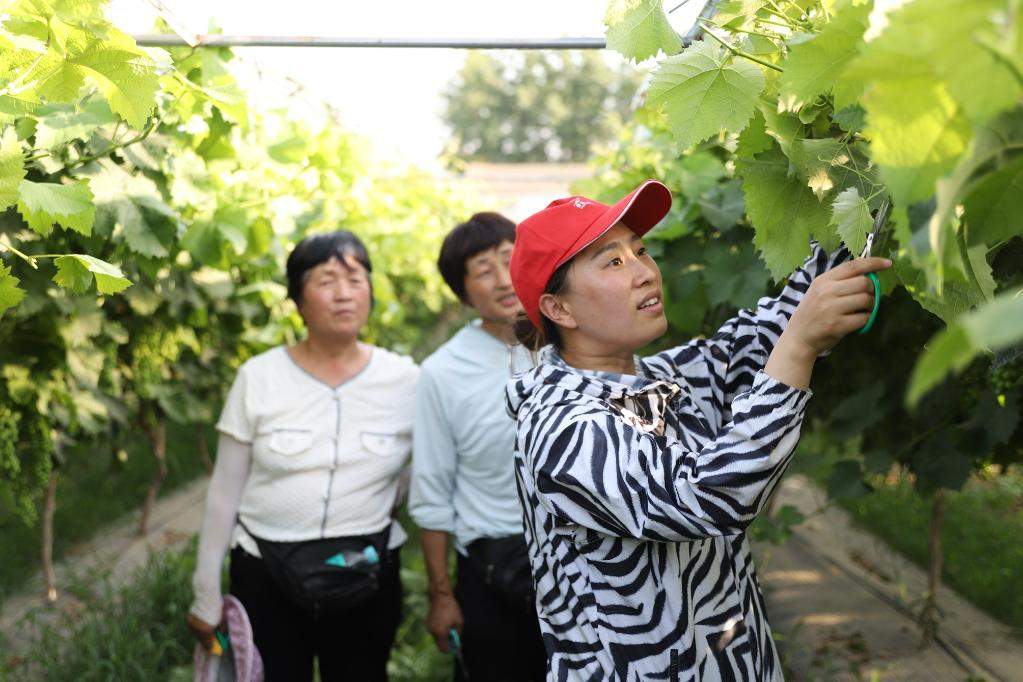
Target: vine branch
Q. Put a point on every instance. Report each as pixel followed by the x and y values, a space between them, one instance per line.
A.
pixel 739 53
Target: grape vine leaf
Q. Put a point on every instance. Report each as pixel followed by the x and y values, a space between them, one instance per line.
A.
pixel 698 173
pixel 76 271
pixel 736 13
pixel 704 90
pixel 852 119
pixel 12 168
pixel 917 134
pixel 918 37
pixel 59 124
pixel 938 463
pixel 783 210
pixel 723 205
pixel 957 297
pixel 816 161
pixel 10 294
pixel 42 204
pixel 995 325
pixel 126 78
pixel 733 276
pixel 754 138
pixel 133 202
pixel 639 28
pixel 784 127
pixel 813 65
pixel 850 216
pixel 993 210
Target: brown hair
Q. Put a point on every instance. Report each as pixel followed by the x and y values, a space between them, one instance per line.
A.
pixel 527 333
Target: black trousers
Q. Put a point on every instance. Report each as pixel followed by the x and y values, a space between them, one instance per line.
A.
pixel 352 645
pixel 500 640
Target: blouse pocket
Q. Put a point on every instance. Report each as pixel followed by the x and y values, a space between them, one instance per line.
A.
pixel 384 444
pixel 290 442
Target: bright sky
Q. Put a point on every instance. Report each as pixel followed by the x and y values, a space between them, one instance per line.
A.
pixel 391 96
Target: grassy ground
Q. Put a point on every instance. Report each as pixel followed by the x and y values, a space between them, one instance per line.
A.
pixel 982 534
pixel 982 537
pixel 94 489
pixel 136 631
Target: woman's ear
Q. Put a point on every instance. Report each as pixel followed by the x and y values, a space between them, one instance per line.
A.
pixel 558 311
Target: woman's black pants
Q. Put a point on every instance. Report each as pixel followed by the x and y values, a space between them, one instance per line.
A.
pixel 351 645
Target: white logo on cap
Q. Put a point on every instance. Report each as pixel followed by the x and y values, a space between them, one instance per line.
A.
pixel 579 203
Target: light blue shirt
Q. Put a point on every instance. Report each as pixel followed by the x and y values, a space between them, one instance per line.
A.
pixel 463 441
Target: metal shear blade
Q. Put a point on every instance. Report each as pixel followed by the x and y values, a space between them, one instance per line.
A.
pixel 879 220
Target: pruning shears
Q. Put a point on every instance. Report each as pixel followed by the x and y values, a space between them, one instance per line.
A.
pixel 221 643
pixel 879 220
pixel 456 651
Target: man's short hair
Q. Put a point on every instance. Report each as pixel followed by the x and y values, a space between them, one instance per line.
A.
pixel 481 232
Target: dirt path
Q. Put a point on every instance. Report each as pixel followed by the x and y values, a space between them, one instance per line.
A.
pixel 840 599
pixel 117 550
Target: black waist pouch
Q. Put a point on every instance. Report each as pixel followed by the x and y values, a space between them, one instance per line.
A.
pixel 504 563
pixel 329 575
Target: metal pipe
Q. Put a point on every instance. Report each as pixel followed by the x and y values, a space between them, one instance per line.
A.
pixel 218 40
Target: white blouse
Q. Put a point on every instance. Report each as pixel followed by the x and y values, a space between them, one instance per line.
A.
pixel 322 461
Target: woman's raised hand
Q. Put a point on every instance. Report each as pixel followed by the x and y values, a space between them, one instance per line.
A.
pixel 836 304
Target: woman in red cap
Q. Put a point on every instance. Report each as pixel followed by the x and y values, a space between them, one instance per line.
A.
pixel 639 476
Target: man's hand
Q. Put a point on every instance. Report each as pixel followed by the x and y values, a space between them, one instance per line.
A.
pixel 444 615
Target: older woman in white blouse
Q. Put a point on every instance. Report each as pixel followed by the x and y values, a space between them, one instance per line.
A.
pixel 314 439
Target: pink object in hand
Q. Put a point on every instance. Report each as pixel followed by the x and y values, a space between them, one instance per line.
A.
pixel 241 662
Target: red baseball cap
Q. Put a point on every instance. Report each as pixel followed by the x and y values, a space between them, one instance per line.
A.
pixel 547 240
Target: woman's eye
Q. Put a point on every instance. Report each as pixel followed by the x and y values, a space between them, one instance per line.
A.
pixel 615 261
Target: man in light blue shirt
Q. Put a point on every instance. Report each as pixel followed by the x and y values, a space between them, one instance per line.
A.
pixel 463 472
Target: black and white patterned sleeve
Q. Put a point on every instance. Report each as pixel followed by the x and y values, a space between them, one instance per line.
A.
pixel 727 362
pixel 592 469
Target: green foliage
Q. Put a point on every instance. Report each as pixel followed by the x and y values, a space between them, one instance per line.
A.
pixel 131 631
pixel 992 327
pixel 704 91
pixel 901 115
pixel 814 127
pixel 983 559
pixel 534 106
pixel 640 29
pixel 815 61
pixel 147 217
pixel 784 210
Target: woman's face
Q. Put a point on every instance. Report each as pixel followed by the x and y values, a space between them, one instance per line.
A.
pixel 488 285
pixel 614 301
pixel 336 299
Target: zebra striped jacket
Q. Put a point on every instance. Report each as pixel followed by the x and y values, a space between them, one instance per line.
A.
pixel 636 492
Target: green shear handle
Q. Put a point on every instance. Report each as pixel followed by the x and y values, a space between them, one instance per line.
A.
pixel 879 220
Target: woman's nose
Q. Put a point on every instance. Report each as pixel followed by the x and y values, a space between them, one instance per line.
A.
pixel 503 277
pixel 642 272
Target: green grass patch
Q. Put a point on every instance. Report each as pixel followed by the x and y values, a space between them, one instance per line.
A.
pixel 137 631
pixel 134 631
pixel 982 537
pixel 95 488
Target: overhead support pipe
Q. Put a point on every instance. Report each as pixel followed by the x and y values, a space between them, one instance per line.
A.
pixel 218 40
